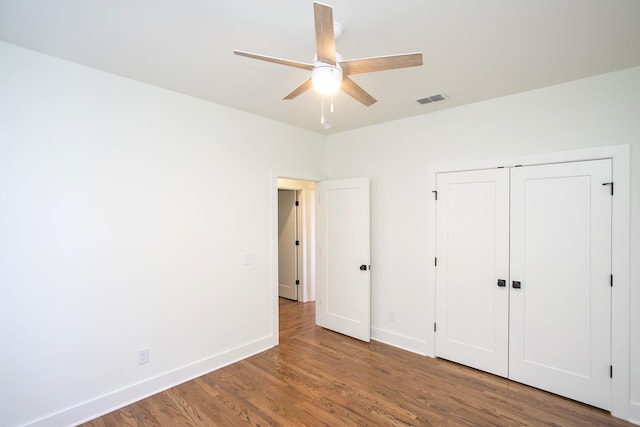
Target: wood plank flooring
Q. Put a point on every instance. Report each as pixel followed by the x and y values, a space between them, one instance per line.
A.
pixel 316 377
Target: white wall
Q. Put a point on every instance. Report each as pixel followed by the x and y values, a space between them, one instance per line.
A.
pixel 598 111
pixel 125 214
pixel 126 211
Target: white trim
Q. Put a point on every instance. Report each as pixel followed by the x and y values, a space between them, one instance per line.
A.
pixel 275 324
pixel 401 341
pixel 110 402
pixel 621 405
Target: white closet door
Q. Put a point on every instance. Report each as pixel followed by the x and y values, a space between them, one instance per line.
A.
pixel 473 254
pixel 561 256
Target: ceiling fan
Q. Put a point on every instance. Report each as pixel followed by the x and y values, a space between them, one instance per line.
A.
pixel 329 72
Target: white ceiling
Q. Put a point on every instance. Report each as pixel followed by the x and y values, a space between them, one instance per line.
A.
pixel 473 49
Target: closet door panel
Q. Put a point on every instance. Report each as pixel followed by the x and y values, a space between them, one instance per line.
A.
pixel 473 253
pixel 561 256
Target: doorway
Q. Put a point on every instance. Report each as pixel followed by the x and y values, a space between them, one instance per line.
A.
pixel 296 239
pixel 339 212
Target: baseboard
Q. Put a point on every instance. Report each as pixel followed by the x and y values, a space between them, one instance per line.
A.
pixel 634 413
pixel 406 343
pixel 115 400
pixel 630 413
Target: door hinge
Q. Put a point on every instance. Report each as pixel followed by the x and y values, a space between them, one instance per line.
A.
pixel 297 242
pixel 297 203
pixel 297 282
pixel 435 327
pixel 611 280
pixel 435 193
pixel 611 184
pixel 610 371
pixel 436 261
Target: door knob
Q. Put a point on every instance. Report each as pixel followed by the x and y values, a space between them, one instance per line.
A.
pixel 515 285
pixel 502 283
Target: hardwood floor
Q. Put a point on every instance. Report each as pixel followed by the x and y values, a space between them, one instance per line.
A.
pixel 316 377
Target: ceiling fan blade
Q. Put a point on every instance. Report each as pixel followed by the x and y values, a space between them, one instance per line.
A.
pixel 381 63
pixel 325 40
pixel 352 89
pixel 280 61
pixel 300 89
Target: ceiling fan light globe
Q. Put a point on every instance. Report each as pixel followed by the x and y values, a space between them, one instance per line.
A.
pixel 326 79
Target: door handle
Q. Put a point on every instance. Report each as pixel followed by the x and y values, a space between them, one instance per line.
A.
pixel 502 283
pixel 363 267
pixel 515 285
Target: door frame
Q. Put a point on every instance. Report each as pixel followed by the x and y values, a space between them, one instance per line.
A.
pixel 308 246
pixel 621 406
pixel 306 233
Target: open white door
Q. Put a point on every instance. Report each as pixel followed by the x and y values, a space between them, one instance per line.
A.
pixel 343 257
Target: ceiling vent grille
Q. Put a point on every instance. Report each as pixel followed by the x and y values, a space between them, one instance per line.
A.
pixel 432 98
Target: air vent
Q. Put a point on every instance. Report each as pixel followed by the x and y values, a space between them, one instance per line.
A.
pixel 432 98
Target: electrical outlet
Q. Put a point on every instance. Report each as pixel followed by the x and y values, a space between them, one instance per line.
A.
pixel 143 356
pixel 392 316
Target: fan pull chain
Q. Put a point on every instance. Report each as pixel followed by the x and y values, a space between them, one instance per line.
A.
pixel 322 111
pixel 332 103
